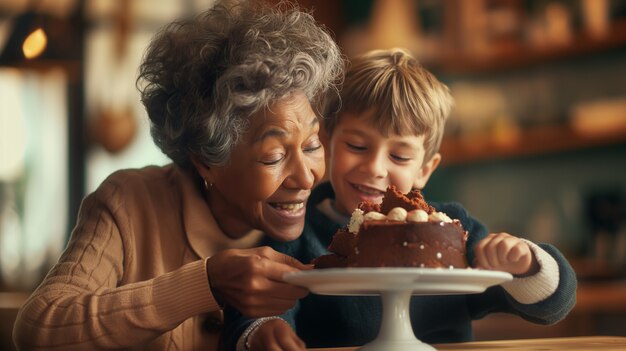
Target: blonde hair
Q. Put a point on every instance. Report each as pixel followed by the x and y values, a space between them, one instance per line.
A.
pixel 397 94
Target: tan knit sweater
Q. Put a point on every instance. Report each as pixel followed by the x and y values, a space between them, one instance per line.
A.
pixel 133 275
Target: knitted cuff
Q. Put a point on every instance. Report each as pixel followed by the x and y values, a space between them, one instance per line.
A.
pixel 537 287
pixel 183 293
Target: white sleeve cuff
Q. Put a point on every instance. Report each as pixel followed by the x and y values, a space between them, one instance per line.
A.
pixel 537 287
pixel 243 342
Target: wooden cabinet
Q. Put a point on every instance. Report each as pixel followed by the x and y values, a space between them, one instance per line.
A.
pixel 538 139
pixel 518 55
pixel 491 40
pixel 529 142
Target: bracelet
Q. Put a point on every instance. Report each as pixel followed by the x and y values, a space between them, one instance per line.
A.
pixel 243 343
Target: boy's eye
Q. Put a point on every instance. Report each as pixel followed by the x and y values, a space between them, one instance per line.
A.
pixel 356 147
pixel 400 158
pixel 272 159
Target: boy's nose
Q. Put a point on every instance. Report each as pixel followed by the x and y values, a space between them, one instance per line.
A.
pixel 375 165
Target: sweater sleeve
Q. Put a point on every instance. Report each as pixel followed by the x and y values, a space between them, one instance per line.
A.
pixel 83 304
pixel 558 304
pixel 539 286
pixel 548 303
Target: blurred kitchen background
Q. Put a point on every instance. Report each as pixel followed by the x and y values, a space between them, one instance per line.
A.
pixel 536 145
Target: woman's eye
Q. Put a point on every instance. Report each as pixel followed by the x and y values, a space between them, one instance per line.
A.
pixel 356 147
pixel 272 160
pixel 314 146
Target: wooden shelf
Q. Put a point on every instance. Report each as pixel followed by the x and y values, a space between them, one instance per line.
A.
pixel 517 55
pixel 601 297
pixel 600 310
pixel 528 142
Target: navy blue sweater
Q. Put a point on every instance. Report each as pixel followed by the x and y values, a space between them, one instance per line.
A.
pixel 335 321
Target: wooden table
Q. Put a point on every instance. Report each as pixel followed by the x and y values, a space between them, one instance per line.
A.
pixel 592 343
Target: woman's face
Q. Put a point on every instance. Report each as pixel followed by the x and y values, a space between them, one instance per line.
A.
pixel 271 172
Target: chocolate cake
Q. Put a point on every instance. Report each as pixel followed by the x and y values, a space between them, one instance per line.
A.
pixel 403 231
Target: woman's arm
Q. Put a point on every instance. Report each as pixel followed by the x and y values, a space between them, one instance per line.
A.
pixel 82 304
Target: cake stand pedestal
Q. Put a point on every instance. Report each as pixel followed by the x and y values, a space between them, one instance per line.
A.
pixel 396 286
pixel 396 332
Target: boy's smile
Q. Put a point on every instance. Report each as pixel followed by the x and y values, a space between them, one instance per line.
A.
pixel 366 193
pixel 367 190
pixel 364 162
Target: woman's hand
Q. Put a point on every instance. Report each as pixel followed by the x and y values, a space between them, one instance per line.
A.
pixel 275 334
pixel 251 280
pixel 505 252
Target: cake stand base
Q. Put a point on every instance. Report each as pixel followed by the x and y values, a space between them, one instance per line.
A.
pixel 399 345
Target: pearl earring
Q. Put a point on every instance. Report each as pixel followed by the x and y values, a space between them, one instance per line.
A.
pixel 207 185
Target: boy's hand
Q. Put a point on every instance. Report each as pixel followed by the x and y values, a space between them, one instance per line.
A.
pixel 275 335
pixel 251 280
pixel 505 252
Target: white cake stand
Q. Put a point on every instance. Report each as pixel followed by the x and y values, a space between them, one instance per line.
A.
pixel 395 286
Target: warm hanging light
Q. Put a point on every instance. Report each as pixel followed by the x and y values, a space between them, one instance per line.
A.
pixel 35 44
pixel 41 37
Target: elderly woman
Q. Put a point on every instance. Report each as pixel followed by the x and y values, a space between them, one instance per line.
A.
pixel 231 96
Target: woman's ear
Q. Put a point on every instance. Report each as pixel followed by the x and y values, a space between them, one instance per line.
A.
pixel 203 170
pixel 426 171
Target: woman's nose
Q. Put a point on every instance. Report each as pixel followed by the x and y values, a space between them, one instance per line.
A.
pixel 302 172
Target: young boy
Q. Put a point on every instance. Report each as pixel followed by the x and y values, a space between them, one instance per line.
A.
pixel 387 131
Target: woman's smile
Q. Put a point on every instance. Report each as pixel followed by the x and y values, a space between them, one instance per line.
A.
pixel 290 211
pixel 288 207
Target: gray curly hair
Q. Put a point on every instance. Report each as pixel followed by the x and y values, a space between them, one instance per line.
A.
pixel 201 78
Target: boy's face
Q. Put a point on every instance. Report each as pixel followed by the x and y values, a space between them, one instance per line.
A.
pixel 364 162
